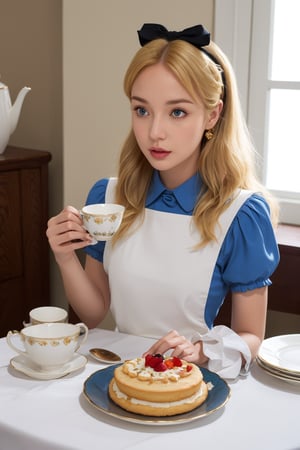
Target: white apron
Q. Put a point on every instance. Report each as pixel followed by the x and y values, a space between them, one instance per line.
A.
pixel 158 282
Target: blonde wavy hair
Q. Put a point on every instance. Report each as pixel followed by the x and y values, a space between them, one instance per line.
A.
pixel 226 162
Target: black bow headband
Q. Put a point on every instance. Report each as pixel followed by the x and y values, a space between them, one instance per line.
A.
pixel 197 36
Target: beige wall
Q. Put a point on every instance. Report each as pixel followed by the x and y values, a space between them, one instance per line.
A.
pixel 74 53
pixel 99 40
pixel 31 55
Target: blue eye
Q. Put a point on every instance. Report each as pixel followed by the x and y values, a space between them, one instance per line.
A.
pixel 141 111
pixel 177 113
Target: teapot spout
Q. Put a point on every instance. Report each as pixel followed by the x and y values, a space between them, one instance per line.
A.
pixel 16 108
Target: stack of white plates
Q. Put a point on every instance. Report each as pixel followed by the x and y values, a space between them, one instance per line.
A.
pixel 279 356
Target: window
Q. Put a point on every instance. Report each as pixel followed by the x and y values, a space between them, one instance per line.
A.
pixel 261 39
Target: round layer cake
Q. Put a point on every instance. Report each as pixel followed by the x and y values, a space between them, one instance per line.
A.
pixel 158 386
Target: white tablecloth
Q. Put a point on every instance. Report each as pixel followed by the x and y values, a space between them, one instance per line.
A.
pixel 262 413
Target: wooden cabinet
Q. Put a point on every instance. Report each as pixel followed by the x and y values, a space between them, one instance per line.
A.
pixel 24 249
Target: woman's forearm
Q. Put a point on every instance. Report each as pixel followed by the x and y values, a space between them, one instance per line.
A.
pixel 88 300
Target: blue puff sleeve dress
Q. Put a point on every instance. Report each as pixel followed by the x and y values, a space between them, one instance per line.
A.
pixel 159 281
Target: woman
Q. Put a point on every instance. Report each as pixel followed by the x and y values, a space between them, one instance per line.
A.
pixel 197 223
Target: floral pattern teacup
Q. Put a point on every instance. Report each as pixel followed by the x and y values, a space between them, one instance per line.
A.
pixel 102 220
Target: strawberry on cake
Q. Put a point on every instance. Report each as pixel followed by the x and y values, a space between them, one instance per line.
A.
pixel 158 386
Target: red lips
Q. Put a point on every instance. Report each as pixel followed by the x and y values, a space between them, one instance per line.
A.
pixel 159 153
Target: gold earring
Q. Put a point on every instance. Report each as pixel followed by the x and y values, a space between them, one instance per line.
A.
pixel 209 134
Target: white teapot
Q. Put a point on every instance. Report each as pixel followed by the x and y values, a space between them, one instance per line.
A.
pixel 9 115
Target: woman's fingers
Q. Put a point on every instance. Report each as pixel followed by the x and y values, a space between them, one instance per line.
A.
pixel 65 231
pixel 180 346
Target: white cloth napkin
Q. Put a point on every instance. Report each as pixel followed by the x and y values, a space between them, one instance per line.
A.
pixel 225 348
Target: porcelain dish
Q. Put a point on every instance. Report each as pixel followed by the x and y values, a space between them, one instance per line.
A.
pixel 24 365
pixel 277 374
pixel 280 356
pixel 96 392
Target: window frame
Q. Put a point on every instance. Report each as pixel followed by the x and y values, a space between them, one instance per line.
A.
pixel 233 22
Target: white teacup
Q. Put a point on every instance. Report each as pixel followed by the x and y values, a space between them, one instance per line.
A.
pixel 49 345
pixel 47 314
pixel 102 220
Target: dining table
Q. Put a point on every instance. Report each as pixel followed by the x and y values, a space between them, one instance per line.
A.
pixel 261 412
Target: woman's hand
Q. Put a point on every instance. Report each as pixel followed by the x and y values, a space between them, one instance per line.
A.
pixel 66 233
pixel 180 346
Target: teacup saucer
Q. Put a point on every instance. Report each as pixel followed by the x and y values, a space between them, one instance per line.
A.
pixel 25 365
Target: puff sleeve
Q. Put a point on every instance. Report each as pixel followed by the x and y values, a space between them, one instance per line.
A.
pixel 248 257
pixel 249 254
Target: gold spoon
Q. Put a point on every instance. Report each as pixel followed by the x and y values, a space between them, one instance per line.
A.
pixel 105 356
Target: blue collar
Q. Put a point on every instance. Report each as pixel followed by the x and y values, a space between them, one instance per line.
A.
pixel 186 194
